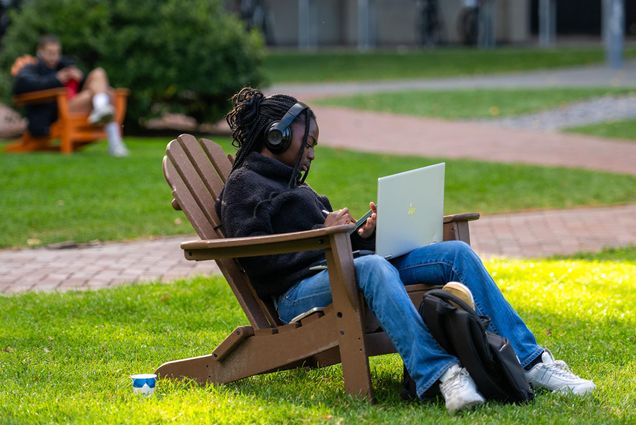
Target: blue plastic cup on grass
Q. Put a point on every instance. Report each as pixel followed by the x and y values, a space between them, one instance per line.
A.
pixel 144 383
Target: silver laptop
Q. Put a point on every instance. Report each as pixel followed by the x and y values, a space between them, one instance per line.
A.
pixel 410 210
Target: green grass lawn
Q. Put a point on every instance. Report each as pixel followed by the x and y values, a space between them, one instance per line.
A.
pixel 471 104
pixel 66 357
pixel 47 198
pixel 347 65
pixel 623 130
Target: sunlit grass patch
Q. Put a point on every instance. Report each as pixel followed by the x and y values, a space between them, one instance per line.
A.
pixel 66 357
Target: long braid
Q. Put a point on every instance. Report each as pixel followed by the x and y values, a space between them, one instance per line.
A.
pixel 251 116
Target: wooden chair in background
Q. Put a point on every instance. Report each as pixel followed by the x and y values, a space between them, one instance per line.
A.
pixel 71 129
pixel 345 332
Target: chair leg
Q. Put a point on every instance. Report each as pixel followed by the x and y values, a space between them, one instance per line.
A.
pixel 66 143
pixel 196 368
pixel 28 143
pixel 347 305
pixel 266 352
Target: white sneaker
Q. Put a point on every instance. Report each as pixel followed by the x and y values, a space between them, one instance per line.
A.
pixel 118 151
pixel 102 115
pixel 459 390
pixel 555 375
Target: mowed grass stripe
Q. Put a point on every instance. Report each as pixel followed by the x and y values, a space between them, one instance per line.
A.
pixel 472 104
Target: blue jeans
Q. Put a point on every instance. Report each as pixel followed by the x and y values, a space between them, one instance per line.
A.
pixel 382 283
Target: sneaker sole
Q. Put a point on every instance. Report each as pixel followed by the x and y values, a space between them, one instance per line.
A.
pixel 578 390
pixel 468 406
pixel 104 119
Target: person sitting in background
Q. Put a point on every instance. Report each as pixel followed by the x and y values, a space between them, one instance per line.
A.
pixel 90 94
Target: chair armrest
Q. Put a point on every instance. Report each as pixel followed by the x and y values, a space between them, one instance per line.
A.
pixel 212 249
pixel 456 226
pixel 39 96
pixel 455 218
pixel 48 95
pixel 121 92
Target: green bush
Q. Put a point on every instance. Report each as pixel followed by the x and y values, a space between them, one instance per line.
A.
pixel 175 55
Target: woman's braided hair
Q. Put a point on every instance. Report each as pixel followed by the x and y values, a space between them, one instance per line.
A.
pixel 251 116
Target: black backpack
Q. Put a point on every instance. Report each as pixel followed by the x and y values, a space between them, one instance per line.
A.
pixel 489 358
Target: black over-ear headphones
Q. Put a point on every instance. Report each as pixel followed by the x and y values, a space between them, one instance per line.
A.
pixel 279 134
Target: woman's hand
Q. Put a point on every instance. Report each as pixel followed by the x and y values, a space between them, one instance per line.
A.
pixel 338 218
pixel 368 228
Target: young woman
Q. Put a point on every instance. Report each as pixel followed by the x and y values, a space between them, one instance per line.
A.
pixel 266 194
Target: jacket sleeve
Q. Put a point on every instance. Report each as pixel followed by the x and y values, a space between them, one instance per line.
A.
pixel 358 243
pixel 29 80
pixel 243 216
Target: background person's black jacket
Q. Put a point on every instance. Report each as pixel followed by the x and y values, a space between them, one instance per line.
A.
pixel 256 201
pixel 34 77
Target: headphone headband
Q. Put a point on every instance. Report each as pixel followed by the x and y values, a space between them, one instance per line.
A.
pixel 279 134
pixel 290 116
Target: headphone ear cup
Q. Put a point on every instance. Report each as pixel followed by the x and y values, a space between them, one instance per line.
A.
pixel 277 140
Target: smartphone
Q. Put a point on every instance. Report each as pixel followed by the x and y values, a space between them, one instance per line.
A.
pixel 361 221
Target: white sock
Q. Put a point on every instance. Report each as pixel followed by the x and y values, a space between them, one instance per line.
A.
pixel 100 100
pixel 114 136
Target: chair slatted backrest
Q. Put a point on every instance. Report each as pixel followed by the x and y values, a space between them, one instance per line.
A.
pixel 196 171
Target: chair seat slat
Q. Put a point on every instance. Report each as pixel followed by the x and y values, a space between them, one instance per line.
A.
pixel 181 166
pixel 218 158
pixel 184 197
pixel 201 163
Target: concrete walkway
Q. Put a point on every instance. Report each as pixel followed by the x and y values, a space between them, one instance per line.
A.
pixel 593 111
pixel 589 76
pixel 527 234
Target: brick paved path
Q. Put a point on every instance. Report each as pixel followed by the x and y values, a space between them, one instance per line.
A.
pixel 532 234
pixel 546 233
pixel 98 266
pixel 384 132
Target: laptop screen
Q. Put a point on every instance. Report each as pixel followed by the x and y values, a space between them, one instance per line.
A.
pixel 410 210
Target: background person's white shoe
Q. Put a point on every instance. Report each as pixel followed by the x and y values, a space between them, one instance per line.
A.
pixel 102 115
pixel 459 390
pixel 555 375
pixel 118 151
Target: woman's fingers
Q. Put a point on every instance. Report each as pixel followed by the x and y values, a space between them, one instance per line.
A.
pixel 368 227
pixel 338 217
pixel 344 217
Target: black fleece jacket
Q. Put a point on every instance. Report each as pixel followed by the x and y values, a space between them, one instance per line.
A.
pixel 35 77
pixel 257 201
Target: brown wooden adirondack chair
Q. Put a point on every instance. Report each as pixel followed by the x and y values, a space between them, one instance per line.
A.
pixel 344 332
